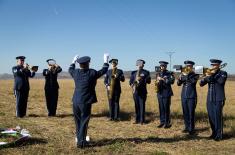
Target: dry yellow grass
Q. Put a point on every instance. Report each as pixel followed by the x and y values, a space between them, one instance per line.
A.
pixel 56 135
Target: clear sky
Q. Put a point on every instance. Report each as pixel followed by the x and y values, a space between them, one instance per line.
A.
pixel 128 29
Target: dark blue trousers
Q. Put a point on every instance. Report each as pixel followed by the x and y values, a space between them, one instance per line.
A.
pixel 215 114
pixel 51 101
pixel 164 109
pixel 114 107
pixel 139 107
pixel 21 102
pixel 82 113
pixel 189 106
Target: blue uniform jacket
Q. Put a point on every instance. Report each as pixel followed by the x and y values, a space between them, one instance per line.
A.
pixel 21 77
pixel 85 82
pixel 189 82
pixel 51 78
pixel 216 84
pixel 119 77
pixel 145 78
pixel 165 89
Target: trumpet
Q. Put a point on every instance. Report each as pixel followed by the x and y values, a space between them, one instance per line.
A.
pixel 31 68
pixel 211 71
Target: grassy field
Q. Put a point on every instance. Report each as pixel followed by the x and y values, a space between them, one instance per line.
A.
pixel 56 135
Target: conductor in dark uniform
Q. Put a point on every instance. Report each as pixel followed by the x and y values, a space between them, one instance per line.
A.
pixel 84 94
pixel 21 74
pixel 164 81
pixel 188 96
pixel 138 81
pixel 112 81
pixel 215 79
pixel 51 86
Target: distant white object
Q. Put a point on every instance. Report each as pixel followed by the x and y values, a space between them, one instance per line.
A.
pixel 106 57
pixel 3 143
pixel 199 70
pixel 87 138
pixel 177 68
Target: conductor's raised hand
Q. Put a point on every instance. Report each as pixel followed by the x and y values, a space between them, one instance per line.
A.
pixel 75 59
pixel 106 57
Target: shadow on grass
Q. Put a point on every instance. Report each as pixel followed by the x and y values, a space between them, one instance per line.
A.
pixel 197 130
pixel 64 115
pixel 200 116
pixel 58 115
pixel 21 143
pixel 105 142
pixel 35 115
pixel 104 113
pixel 124 116
pixel 230 134
pixel 150 117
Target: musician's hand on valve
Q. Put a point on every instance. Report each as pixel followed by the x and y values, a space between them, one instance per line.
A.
pixel 208 74
pixel 26 66
pixel 180 77
pixel 160 78
pixel 49 67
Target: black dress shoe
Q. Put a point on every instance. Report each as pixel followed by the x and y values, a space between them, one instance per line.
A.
pixel 117 119
pixel 217 138
pixel 136 122
pixel 192 133
pixel 142 123
pixel 185 131
pixel 167 126
pixel 160 125
pixel 212 136
pixel 111 119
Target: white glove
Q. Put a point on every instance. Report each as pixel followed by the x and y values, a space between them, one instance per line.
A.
pixel 75 59
pixel 106 58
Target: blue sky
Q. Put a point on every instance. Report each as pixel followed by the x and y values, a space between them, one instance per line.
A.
pixel 128 29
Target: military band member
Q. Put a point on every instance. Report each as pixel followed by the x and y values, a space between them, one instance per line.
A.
pixel 215 79
pixel 188 96
pixel 84 94
pixel 138 81
pixel 51 86
pixel 113 86
pixel 21 74
pixel 164 81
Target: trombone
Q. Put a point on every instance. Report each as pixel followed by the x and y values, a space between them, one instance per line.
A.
pixel 184 70
pixel 207 71
pixel 156 83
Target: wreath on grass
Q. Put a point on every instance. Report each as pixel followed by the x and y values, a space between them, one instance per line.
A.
pixel 12 137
